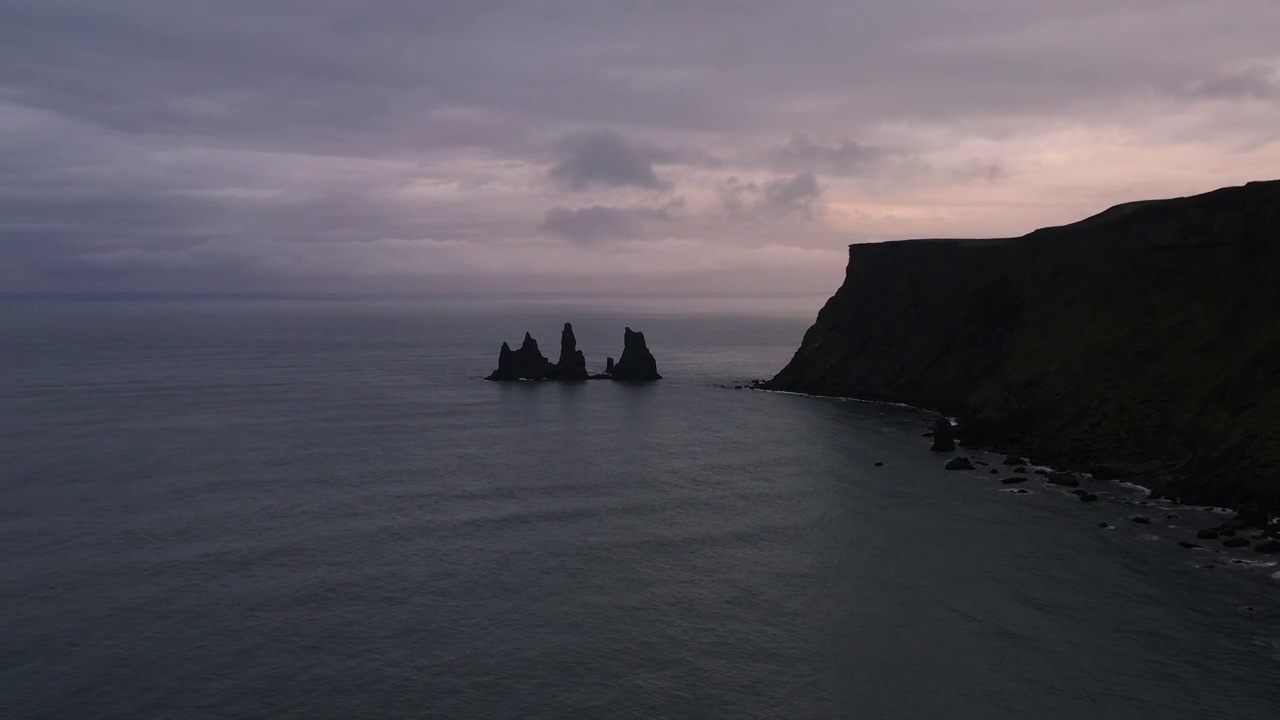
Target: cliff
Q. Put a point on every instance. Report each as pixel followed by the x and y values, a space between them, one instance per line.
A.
pixel 1144 340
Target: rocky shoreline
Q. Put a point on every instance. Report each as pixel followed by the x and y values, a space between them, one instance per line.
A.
pixel 1141 344
pixel 1245 529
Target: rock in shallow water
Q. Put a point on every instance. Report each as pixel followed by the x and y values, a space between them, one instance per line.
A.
pixel 944 438
pixel 960 463
pixel 1063 479
pixel 1267 547
pixel 1235 542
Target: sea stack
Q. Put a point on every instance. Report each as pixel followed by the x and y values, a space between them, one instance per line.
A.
pixel 527 363
pixel 637 362
pixel 572 364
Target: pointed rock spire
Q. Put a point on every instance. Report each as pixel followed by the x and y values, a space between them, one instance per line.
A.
pixel 527 363
pixel 572 364
pixel 636 363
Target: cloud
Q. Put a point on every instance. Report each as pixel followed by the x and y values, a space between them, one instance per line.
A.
pixel 595 158
pixel 1255 83
pixel 779 197
pixel 598 223
pixel 830 157
pixel 151 144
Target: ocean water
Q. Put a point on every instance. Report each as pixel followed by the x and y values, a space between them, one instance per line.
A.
pixel 314 507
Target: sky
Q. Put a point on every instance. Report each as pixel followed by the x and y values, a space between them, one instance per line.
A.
pixel 596 145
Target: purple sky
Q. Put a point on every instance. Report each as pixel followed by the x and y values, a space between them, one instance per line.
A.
pixel 648 145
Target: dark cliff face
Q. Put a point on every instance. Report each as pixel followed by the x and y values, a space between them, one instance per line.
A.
pixel 1146 337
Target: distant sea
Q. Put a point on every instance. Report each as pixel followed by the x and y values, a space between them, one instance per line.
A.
pixel 260 507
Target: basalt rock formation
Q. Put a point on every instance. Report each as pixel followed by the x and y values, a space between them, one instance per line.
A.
pixel 1144 340
pixel 528 363
pixel 572 364
pixel 636 363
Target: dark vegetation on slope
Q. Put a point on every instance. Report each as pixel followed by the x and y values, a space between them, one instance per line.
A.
pixel 1142 341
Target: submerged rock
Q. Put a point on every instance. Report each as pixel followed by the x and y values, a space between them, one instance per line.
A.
pixel 1088 497
pixel 944 435
pixel 1207 534
pixel 1141 519
pixel 1267 547
pixel 960 463
pixel 636 363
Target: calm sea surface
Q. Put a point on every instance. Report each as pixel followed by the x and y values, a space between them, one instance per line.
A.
pixel 314 507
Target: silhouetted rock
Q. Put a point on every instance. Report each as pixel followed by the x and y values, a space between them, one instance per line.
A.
pixel 573 364
pixel 608 365
pixel 637 362
pixel 1141 519
pixel 995 471
pixel 960 463
pixel 1014 460
pixel 1207 534
pixel 1063 479
pixel 527 363
pixel 1088 497
pixel 879 464
pixel 1014 480
pixel 944 436
pixel 1188 545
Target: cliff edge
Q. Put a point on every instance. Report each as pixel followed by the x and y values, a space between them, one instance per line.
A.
pixel 1143 341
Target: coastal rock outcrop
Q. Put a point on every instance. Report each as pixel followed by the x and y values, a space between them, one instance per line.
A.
pixel 1144 340
pixel 636 362
pixel 944 439
pixel 527 363
pixel 572 364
